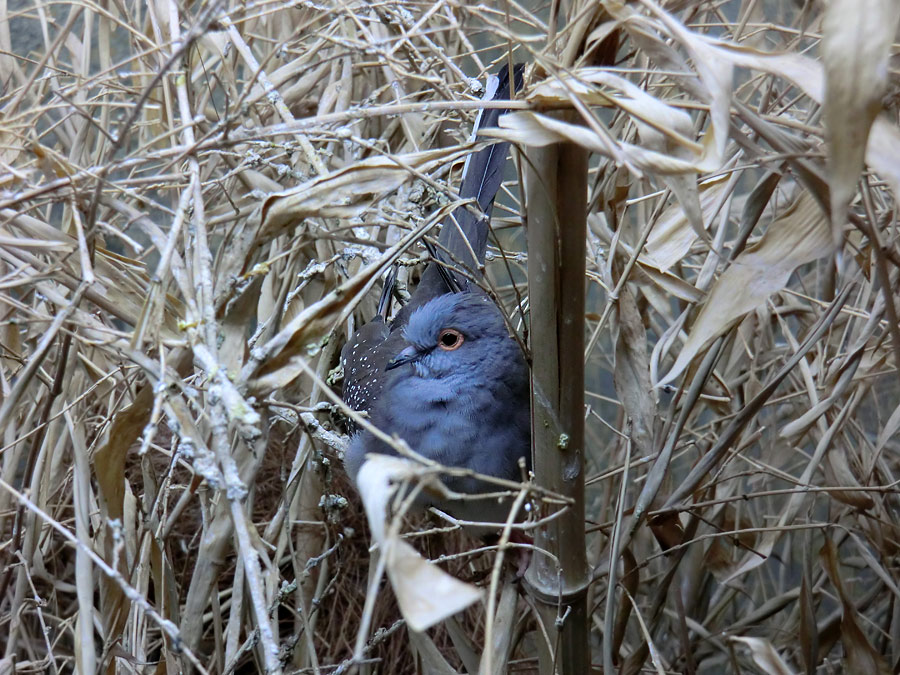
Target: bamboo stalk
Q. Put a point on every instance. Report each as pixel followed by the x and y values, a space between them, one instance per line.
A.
pixel 556 194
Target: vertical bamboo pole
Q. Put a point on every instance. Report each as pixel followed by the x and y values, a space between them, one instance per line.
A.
pixel 556 205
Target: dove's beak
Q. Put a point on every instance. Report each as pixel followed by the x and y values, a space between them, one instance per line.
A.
pixel 408 355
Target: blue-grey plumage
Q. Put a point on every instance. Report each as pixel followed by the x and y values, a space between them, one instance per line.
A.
pixel 458 394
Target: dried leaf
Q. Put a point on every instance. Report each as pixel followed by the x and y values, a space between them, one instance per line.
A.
pixel 756 203
pixel 85 654
pixel 631 376
pixel 238 315
pixel 466 649
pixel 859 654
pixel 764 655
pixel 770 537
pixel 431 657
pixel 672 235
pixel 664 126
pixel 504 629
pixel 723 551
pixel 716 77
pixel 809 634
pixel 655 655
pixel 883 146
pixel 425 593
pixel 349 191
pixel 876 566
pixel 529 128
pixel 121 283
pixel 891 427
pixel 838 472
pixel 718 559
pixel 796 237
pixel 109 459
pixel 856 44
pixel 670 284
pixel 667 529
pixel 282 358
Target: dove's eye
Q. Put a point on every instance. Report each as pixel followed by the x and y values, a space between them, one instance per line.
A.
pixel 450 339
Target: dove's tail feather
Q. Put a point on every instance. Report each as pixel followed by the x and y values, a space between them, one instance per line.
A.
pixel 466 230
pixel 482 177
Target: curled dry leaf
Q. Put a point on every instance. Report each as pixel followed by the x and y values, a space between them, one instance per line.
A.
pixel 716 77
pixel 672 236
pixel 652 115
pixel 808 75
pixel 670 284
pixel 798 236
pixel 856 44
pixel 713 85
pixel 425 593
pixel 529 128
pixel 349 191
pixel 764 655
pixel 666 130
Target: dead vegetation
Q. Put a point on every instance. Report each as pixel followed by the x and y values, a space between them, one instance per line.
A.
pixel 196 201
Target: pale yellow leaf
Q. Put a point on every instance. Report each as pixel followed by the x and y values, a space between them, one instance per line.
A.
pixel 856 44
pixel 349 191
pixel 672 235
pixel 716 77
pixel 425 593
pixel 800 235
pixel 764 655
pixel 530 128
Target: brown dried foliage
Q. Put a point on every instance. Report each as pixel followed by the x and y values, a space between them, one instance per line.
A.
pixel 196 201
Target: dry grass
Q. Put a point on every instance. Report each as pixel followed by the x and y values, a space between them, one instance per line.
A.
pixel 172 495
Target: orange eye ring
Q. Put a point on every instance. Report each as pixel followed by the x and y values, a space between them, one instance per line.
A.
pixel 450 339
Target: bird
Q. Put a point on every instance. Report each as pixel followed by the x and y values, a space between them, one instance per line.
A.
pixel 445 375
pixel 458 395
